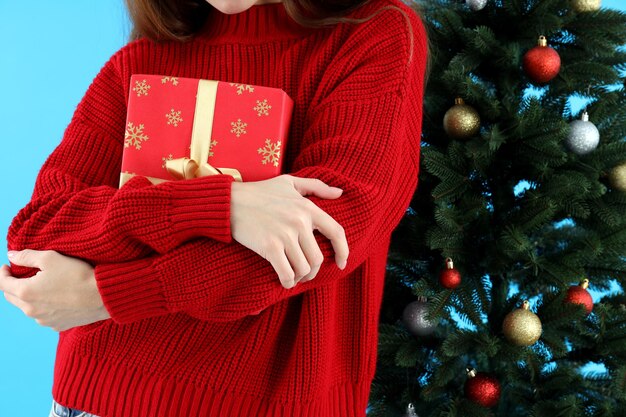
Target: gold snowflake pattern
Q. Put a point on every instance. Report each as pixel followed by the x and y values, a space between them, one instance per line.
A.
pixel 262 107
pixel 173 118
pixel 134 136
pixel 165 159
pixel 239 127
pixel 271 152
pixel 211 145
pixel 141 87
pixel 242 87
pixel 173 80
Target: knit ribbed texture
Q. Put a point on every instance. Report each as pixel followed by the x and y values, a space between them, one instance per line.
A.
pixel 77 209
pixel 200 325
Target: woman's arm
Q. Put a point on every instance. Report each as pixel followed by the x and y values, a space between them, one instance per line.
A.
pixel 77 209
pixel 364 138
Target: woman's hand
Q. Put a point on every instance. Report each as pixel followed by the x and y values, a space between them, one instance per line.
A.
pixel 62 295
pixel 273 219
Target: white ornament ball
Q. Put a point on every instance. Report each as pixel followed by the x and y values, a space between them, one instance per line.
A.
pixel 476 5
pixel 414 317
pixel 410 411
pixel 583 136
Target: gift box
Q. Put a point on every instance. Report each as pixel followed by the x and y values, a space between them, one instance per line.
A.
pixel 181 128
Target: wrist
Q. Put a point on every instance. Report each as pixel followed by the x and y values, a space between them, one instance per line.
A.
pixel 235 195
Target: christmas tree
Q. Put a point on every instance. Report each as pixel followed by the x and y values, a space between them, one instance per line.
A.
pixel 521 205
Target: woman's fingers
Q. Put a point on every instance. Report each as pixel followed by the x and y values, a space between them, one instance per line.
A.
pixel 322 221
pixel 309 186
pixel 329 227
pixel 278 259
pixel 13 289
pixel 313 254
pixel 16 301
pixel 270 219
pixel 297 259
pixel 8 283
pixel 29 257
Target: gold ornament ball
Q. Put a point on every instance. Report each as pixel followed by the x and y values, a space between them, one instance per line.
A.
pixel 522 327
pixel 617 177
pixel 461 121
pixel 582 6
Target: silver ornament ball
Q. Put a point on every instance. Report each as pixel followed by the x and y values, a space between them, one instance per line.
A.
pixel 476 5
pixel 410 411
pixel 414 317
pixel 583 136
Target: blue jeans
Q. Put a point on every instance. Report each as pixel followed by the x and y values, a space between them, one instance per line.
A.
pixel 59 410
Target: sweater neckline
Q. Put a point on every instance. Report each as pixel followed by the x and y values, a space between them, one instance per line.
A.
pixel 262 22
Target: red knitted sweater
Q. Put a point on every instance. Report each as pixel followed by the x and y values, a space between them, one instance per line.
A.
pixel 200 325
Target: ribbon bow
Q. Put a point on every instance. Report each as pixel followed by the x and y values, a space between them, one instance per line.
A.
pixel 196 166
pixel 186 168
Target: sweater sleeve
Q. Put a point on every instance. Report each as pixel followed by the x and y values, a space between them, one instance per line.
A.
pixel 77 209
pixel 360 138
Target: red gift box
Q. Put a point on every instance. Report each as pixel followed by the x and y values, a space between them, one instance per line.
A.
pixel 180 128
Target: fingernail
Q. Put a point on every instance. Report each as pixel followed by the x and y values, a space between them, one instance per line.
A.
pixel 10 254
pixel 337 188
pixel 342 264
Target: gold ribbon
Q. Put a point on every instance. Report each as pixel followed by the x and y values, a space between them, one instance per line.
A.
pixel 196 165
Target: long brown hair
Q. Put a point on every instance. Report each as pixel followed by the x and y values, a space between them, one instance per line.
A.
pixel 179 20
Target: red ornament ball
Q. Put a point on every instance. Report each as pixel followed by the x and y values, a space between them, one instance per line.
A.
pixel 482 389
pixel 578 294
pixel 542 63
pixel 449 277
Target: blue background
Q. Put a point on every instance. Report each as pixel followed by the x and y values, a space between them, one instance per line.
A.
pixel 52 51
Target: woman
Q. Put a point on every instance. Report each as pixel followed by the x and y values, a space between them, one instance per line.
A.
pixel 209 297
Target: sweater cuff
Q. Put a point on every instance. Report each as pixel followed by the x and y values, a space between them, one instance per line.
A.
pixel 200 207
pixel 131 291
